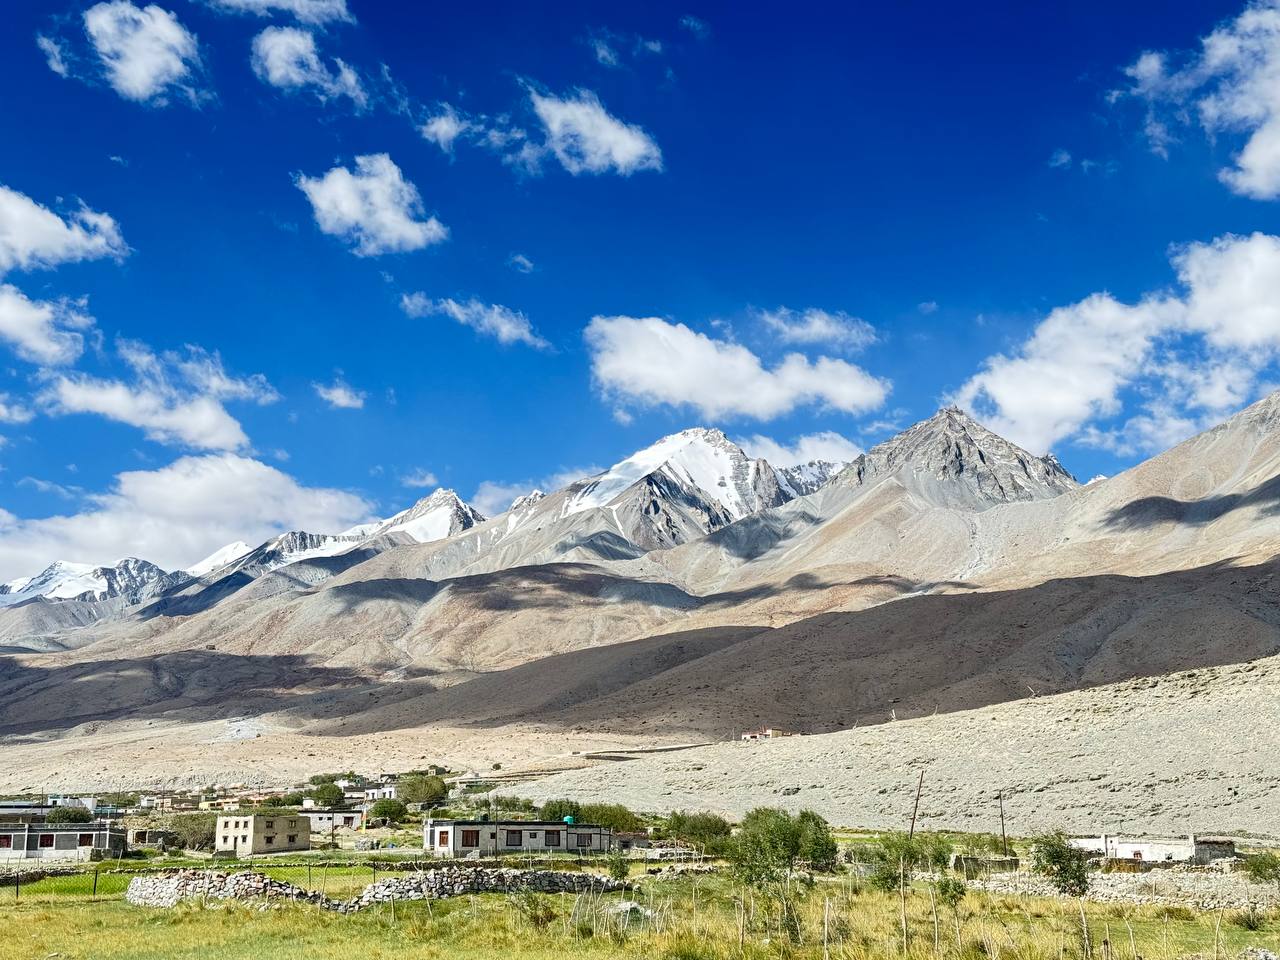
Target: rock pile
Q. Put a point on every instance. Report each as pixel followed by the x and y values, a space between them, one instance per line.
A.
pixel 169 889
pixel 1202 888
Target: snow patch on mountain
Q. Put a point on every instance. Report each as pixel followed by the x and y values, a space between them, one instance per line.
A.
pixel 219 558
pixel 442 514
pixel 805 478
pixel 62 580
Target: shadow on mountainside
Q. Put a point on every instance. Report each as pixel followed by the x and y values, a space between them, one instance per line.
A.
pixel 1152 511
pixel 915 656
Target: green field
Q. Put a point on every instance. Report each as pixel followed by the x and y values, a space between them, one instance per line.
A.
pixel 708 917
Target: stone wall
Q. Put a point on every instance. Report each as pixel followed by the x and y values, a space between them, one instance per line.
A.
pixel 1200 887
pixel 169 889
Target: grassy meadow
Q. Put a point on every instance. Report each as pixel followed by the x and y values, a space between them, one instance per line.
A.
pixel 704 918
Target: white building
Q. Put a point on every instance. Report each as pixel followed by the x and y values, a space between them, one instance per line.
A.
pixel 490 838
pixel 326 821
pixel 385 791
pixel 61 841
pixel 249 833
pixel 766 733
pixel 1188 849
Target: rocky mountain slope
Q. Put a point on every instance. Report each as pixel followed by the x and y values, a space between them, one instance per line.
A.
pixel 130 578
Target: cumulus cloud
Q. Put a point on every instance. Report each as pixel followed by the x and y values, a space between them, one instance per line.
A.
pixel 175 398
pixel 286 58
pixel 699 28
pixel 176 515
pixel 586 138
pixel 812 325
pixel 145 51
pixel 651 362
pixel 340 395
pixel 49 333
pixel 304 11
pixel 1060 158
pixel 1232 85
pixel 825 445
pixel 373 208
pixel 445 127
pixel 1190 356
pixel 11 411
pixel 491 319
pixel 419 478
pixel 33 236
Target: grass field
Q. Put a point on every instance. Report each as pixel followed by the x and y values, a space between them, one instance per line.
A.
pixel 709 918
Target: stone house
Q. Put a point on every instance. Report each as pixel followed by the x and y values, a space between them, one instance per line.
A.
pixel 1188 849
pixel 325 821
pixel 493 838
pixel 250 833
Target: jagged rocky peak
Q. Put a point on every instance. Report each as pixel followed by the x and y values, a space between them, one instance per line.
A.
pixel 953 460
pixel 805 478
pixel 130 578
pixel 528 500
pixel 441 514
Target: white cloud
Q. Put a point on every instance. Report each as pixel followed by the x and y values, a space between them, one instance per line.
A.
pixel 286 57
pixel 605 54
pixel 586 138
pixel 649 362
pixel 32 235
pixel 1060 158
pixel 340 395
pixel 819 326
pixel 50 333
pixel 445 127
pixel 1233 85
pixel 175 398
pixel 491 319
pixel 825 445
pixel 1194 355
pixel 177 514
pixel 144 50
pixel 419 478
pixel 305 11
pixel 928 307
pixel 375 209
pixel 54 54
pixel 518 261
pixel 13 412
pixel 699 28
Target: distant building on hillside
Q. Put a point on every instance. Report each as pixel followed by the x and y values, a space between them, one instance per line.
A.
pixel 766 733
pixel 245 834
pixel 62 841
pixel 1188 849
pixel 384 791
pixel 494 838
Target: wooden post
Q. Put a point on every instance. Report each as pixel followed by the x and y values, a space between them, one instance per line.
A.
pixel 1004 840
pixel 902 898
pixel 1084 929
pixel 937 936
pixel 916 809
pixel 826 924
pixel 95 883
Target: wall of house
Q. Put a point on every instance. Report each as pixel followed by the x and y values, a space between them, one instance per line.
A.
pixel 73 842
pixel 252 834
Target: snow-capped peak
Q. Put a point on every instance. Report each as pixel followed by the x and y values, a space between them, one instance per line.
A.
pixel 62 580
pixel 804 478
pixel 219 558
pixel 528 500
pixel 442 514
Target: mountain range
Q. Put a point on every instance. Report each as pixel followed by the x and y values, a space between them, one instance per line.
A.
pixel 686 593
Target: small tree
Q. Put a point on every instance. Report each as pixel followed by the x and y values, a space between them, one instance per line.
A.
pixel 619 866
pixel 328 794
pixel 195 831
pixel 612 815
pixel 765 847
pixel 1063 865
pixel 393 811
pixel 68 815
pixel 559 809
pixel 708 830
pixel 422 789
pixel 815 845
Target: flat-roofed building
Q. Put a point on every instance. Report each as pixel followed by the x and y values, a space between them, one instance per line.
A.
pixel 492 838
pixel 62 841
pixel 245 834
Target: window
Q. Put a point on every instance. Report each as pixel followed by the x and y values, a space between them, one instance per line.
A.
pixel 293 823
pixel 6 842
pixel 471 838
pixel 269 824
pixel 270 840
pixel 513 838
pixel 551 838
pixel 442 838
pixel 86 840
pixel 46 839
pixel 225 840
pixel 293 838
pixel 584 839
pixel 245 838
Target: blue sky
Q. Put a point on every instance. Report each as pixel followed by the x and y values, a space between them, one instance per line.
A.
pixel 278 263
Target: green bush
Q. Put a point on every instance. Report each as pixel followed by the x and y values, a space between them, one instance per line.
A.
pixel 619 866
pixel 195 831
pixel 709 831
pixel 328 794
pixel 770 843
pixel 612 815
pixel 1064 866
pixel 422 789
pixel 393 811
pixel 950 891
pixel 69 815
pixel 1263 868
pixel 896 857
pixel 559 809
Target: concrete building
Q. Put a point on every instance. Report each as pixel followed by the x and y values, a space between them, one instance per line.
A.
pixel 245 834
pixel 766 733
pixel 492 838
pixel 61 841
pixel 384 791
pixel 326 821
pixel 1188 849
